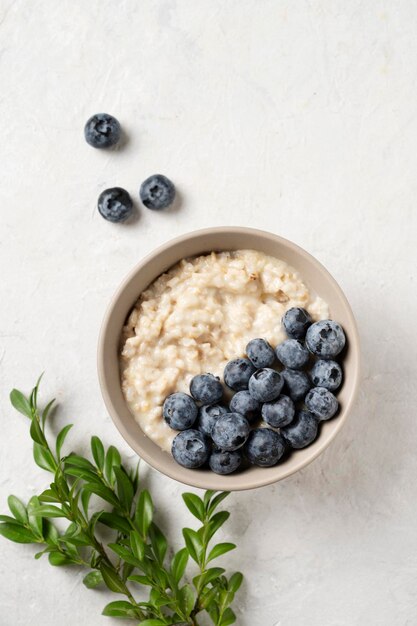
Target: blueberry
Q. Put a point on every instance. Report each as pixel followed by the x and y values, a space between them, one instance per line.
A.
pixel 265 385
pixel 190 448
pixel 230 431
pixel 206 388
pixel 115 204
pixel 179 411
pixel 279 412
pixel 237 374
pixel 102 131
pixel 326 374
pixel 292 353
pixel 264 447
pixel 225 462
pixel 208 416
pixel 245 404
pixel 322 403
pixel 302 431
pixel 157 192
pixel 326 339
pixel 297 383
pixel 260 353
pixel 296 321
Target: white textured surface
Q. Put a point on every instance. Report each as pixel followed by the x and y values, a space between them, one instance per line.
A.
pixel 297 117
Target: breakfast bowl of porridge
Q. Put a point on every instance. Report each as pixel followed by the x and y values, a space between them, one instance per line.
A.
pixel 229 358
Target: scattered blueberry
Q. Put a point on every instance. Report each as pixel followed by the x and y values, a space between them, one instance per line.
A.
pixel 237 374
pixel 115 204
pixel 225 462
pixel 102 131
pixel 292 353
pixel 157 192
pixel 230 431
pixel 265 385
pixel 296 321
pixel 245 404
pixel 326 339
pixel 264 447
pixel 208 416
pixel 190 448
pixel 302 431
pixel 297 383
pixel 206 388
pixel 179 411
pixel 322 403
pixel 326 374
pixel 279 412
pixel 260 353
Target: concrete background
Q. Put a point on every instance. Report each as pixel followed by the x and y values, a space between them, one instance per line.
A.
pixel 294 116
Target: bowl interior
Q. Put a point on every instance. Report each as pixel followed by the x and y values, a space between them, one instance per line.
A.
pixel 316 278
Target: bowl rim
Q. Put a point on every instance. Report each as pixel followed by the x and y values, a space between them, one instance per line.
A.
pixel 153 461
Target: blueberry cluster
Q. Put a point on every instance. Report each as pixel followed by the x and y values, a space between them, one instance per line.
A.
pixel 290 399
pixel 115 204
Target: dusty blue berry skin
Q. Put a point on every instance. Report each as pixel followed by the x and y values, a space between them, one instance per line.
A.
pixel 265 385
pixel 157 192
pixel 292 353
pixel 260 353
pixel 264 447
pixel 237 374
pixel 208 416
pixel 325 339
pixel 297 384
pixel 322 403
pixel 296 321
pixel 302 431
pixel 179 411
pixel 222 462
pixel 190 448
pixel 245 404
pixel 206 388
pixel 230 431
pixel 102 131
pixel 279 412
pixel 115 205
pixel 327 374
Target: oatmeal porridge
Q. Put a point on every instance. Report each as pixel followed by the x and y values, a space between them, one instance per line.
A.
pixel 197 317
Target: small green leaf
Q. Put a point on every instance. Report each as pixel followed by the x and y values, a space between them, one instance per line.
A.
pixel 144 512
pixel 61 438
pixel 111 579
pixel 48 496
pixel 47 410
pixel 141 580
pixel 85 500
pixel 16 533
pixel 152 622
pixel 124 488
pixel 93 521
pixel 216 522
pixel 187 598
pixel 120 608
pixel 50 532
pixel 137 545
pixel 113 459
pixel 20 403
pixel 208 597
pixel 207 497
pixel 134 476
pixel 97 450
pixel 57 558
pixel 36 432
pixel 235 581
pixel 43 457
pixel 208 576
pixel 158 542
pixel 228 617
pixel 216 501
pixel 18 509
pixel 124 554
pixel 93 579
pixel 195 505
pixel 117 522
pixel 178 564
pixel 104 492
pixel 9 520
pixel 220 549
pixel 80 472
pixel 193 543
pixel 35 522
pixel 79 461
pixel 47 510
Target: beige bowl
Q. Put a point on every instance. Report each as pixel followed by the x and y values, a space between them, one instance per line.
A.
pixel 316 277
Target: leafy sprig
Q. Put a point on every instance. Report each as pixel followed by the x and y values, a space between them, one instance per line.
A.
pixel 138 556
